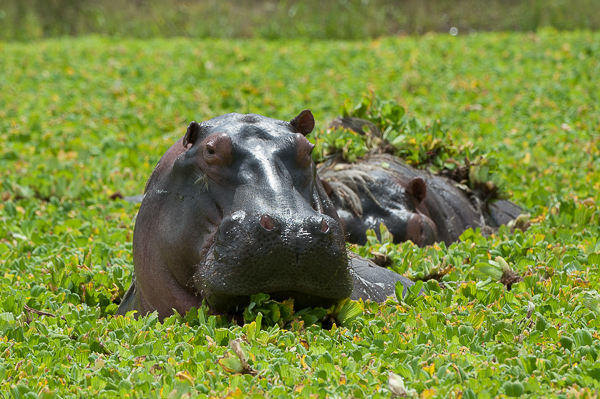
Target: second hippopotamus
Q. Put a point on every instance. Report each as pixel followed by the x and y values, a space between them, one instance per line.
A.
pixel 413 204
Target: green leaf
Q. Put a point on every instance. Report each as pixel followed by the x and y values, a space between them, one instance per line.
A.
pixel 413 295
pixel 583 337
pixel 594 373
pixel 485 270
pixel 529 364
pixel 541 324
pixel 513 389
pixel 346 311
pixel 231 363
pixel 566 342
pixel 591 300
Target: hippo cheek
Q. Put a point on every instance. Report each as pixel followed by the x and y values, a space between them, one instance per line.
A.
pixel 256 253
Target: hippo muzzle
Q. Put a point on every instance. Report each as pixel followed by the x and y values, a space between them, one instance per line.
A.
pixel 286 256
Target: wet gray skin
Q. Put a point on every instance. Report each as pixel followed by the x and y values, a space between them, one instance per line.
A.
pixel 235 209
pixel 414 204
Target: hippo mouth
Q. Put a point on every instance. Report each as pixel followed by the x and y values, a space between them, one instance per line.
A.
pixel 233 304
pixel 227 290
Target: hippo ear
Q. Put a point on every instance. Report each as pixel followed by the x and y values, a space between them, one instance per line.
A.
pixel 304 123
pixel 193 131
pixel 417 188
pixel 327 187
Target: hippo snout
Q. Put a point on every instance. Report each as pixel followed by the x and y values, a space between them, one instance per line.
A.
pixel 284 255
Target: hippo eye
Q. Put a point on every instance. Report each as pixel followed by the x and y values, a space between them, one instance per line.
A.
pixel 216 150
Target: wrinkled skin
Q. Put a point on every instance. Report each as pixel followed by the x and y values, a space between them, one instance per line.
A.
pixel 235 209
pixel 413 204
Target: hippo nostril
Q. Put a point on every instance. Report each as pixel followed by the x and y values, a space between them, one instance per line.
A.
pixel 267 222
pixel 324 226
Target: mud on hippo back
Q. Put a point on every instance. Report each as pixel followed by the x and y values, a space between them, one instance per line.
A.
pixel 414 204
pixel 235 209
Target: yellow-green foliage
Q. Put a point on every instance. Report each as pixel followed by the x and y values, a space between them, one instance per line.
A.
pixel 81 119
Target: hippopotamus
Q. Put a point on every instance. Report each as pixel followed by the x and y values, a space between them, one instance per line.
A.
pixel 235 208
pixel 413 204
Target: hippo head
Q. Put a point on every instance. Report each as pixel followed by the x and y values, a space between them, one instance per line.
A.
pixel 236 209
pixel 366 195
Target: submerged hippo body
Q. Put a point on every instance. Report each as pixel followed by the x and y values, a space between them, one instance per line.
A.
pixel 235 209
pixel 414 204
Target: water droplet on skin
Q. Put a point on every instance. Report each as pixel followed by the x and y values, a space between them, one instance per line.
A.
pixel 239 215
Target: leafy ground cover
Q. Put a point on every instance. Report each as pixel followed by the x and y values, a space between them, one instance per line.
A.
pixel 81 119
